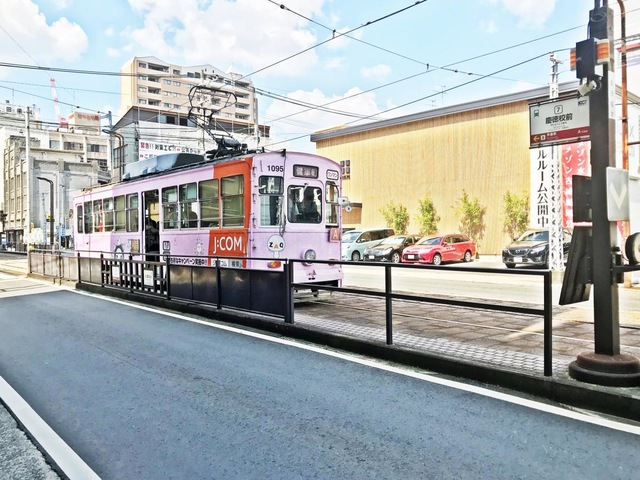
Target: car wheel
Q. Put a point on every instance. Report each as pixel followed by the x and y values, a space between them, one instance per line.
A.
pixel 437 259
pixel 632 248
pixel 395 257
pixel 355 256
pixel 510 265
pixel 467 256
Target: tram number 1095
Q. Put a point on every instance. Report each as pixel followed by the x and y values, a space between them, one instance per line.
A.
pixel 275 168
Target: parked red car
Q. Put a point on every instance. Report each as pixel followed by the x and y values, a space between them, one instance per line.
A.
pixel 436 249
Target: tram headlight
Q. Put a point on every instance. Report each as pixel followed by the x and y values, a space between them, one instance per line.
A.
pixel 310 255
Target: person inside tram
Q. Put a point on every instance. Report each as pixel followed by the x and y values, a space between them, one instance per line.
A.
pixel 309 206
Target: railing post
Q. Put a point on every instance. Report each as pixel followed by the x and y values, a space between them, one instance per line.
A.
pixel 102 270
pixel 219 285
pixel 388 301
pixel 288 280
pixel 548 325
pixel 168 279
pixel 130 268
pixel 79 269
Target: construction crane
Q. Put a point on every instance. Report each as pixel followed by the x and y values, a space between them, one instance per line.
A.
pixel 62 122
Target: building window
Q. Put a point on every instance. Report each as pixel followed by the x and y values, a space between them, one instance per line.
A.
pixel 142 89
pixel 176 94
pixel 176 84
pixel 167 82
pixel 346 169
pixel 54 144
pixel 176 72
pixel 142 65
pixel 92 147
pixel 73 146
pixel 142 101
pixel 167 105
pixel 154 103
pixel 176 106
pixel 144 77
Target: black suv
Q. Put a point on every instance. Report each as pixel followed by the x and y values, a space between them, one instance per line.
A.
pixel 532 248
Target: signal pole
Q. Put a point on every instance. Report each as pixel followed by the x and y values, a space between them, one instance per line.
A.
pixel 604 366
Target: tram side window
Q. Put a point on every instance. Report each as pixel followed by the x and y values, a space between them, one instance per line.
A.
pixel 79 219
pixel 132 213
pixel 233 201
pixel 120 212
pixel 209 206
pixel 98 221
pixel 88 217
pixel 108 214
pixel 271 189
pixel 170 208
pixel 332 207
pixel 188 206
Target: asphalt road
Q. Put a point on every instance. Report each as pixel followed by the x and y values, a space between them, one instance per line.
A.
pixel 138 394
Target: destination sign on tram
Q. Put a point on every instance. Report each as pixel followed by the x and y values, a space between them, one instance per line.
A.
pixel 559 121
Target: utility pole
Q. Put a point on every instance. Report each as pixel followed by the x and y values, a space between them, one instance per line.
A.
pixel 26 226
pixel 606 365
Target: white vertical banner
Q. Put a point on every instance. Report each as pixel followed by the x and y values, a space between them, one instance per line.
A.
pixel 556 255
pixel 546 199
pixel 540 186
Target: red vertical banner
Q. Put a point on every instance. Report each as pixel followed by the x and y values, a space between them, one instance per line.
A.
pixel 574 161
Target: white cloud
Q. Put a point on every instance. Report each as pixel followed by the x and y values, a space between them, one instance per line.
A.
pixel 32 37
pixel 291 120
pixel 489 26
pixel 223 32
pixel 530 13
pixel 377 71
pixel 335 63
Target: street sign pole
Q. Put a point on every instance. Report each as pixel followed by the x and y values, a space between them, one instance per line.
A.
pixel 605 366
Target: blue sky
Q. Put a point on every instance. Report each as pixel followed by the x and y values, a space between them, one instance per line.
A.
pixel 396 57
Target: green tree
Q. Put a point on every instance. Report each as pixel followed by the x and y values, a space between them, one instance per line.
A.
pixel 427 217
pixel 396 216
pixel 471 216
pixel 516 213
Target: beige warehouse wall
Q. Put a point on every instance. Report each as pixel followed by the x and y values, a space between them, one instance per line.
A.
pixel 484 152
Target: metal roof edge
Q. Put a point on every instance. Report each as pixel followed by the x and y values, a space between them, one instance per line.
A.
pixel 524 95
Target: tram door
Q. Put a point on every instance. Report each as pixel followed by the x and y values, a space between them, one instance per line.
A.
pixel 152 225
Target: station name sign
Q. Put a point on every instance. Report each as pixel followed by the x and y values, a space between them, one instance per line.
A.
pixel 559 121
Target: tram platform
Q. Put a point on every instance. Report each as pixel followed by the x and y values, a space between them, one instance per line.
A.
pixel 493 355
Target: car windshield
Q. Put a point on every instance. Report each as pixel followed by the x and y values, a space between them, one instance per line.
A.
pixel 350 237
pixel 393 241
pixel 430 241
pixel 534 236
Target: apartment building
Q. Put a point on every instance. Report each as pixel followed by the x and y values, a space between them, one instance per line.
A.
pixel 170 90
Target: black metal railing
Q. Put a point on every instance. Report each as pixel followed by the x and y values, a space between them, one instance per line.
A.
pixel 271 292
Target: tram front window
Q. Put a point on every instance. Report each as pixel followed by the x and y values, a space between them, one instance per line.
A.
pixel 303 204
